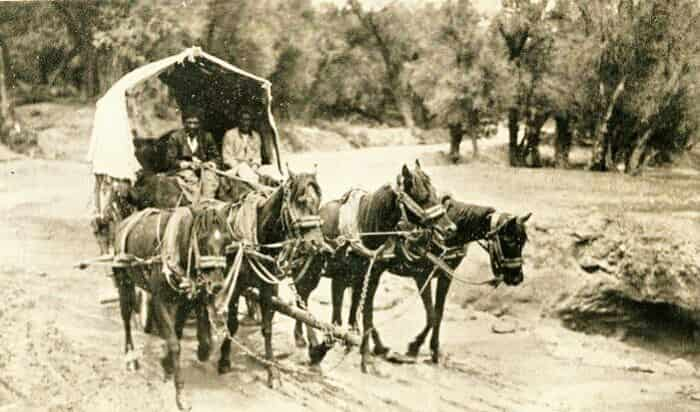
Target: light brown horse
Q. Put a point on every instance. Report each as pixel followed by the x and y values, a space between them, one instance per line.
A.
pixel 289 214
pixel 187 280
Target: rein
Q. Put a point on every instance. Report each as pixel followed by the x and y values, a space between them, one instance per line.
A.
pixel 293 226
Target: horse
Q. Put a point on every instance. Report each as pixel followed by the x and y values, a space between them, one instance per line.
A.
pixel 176 254
pixel 505 235
pixel 118 198
pixel 414 199
pixel 288 216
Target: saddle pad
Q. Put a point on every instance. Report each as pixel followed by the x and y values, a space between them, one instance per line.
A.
pixel 170 251
pixel 128 225
pixel 244 221
pixel 348 226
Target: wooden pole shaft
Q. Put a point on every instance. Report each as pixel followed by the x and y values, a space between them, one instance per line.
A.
pixel 306 317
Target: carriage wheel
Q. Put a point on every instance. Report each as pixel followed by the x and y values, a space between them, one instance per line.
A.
pixel 143 309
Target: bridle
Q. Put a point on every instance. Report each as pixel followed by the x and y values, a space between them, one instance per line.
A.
pixel 292 224
pixel 493 247
pixel 427 216
pixel 295 227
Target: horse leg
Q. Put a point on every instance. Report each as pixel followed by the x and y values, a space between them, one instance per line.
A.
pixel 443 287
pixel 427 299
pixel 181 315
pixel 232 325
pixel 337 292
pixel 268 313
pixel 379 348
pixel 171 363
pixel 367 322
pixel 317 351
pixel 354 305
pixel 127 302
pixel 204 337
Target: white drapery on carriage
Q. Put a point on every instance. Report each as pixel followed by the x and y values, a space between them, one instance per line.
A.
pixel 112 152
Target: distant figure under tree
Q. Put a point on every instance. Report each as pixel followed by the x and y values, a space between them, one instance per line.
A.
pixel 457 132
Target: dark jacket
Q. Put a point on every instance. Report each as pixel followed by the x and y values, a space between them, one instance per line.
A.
pixel 179 149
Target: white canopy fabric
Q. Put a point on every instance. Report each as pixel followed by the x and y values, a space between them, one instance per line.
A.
pixel 111 150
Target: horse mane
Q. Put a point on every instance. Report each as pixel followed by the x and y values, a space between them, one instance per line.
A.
pixel 209 215
pixel 266 223
pixel 378 212
pixel 473 221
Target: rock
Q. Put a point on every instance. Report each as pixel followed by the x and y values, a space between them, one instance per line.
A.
pixel 638 368
pixel 637 275
pixel 683 366
pixel 504 326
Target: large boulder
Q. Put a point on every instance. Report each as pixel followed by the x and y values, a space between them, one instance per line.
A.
pixel 631 276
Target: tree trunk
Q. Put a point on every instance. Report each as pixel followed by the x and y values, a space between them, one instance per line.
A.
pixel 514 156
pixel 405 108
pixel 8 120
pixel 600 143
pixel 533 137
pixel 90 86
pixel 456 135
pixel 634 163
pixel 562 141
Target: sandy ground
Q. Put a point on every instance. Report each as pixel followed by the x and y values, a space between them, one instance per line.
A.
pixel 62 350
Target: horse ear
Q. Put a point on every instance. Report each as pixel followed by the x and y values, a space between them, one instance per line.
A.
pixel 315 172
pixel 289 171
pixel 418 164
pixel 405 172
pixel 524 218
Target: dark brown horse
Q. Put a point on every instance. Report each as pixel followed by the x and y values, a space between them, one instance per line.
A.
pixel 194 241
pixel 505 236
pixel 415 199
pixel 289 214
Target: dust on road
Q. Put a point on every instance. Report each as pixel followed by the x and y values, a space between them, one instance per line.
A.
pixel 62 350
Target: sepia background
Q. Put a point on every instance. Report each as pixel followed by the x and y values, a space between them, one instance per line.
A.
pixel 584 112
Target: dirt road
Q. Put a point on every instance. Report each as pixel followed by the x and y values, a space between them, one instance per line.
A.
pixel 62 350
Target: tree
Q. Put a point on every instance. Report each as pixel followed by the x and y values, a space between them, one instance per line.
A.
pixel 459 75
pixel 388 33
pixel 527 39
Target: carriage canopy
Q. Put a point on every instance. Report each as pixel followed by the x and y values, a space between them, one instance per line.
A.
pixel 193 77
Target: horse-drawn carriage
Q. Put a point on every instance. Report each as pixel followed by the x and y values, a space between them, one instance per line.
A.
pixel 204 257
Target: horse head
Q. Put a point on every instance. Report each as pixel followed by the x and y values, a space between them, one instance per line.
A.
pixel 420 203
pixel 112 206
pixel 300 210
pixel 211 234
pixel 505 244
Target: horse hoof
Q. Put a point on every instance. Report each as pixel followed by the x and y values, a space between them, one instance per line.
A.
pixel 381 351
pixel 203 352
pixel 182 402
pixel 436 357
pixel 317 353
pixel 412 350
pixel 273 378
pixel 133 366
pixel 224 367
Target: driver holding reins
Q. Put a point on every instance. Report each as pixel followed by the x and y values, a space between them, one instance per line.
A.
pixel 194 152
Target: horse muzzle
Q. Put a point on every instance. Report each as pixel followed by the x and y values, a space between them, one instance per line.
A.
pixel 513 277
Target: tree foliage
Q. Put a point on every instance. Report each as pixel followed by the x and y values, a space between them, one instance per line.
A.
pixel 618 75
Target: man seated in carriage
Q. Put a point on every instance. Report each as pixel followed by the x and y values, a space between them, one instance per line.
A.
pixel 193 152
pixel 242 150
